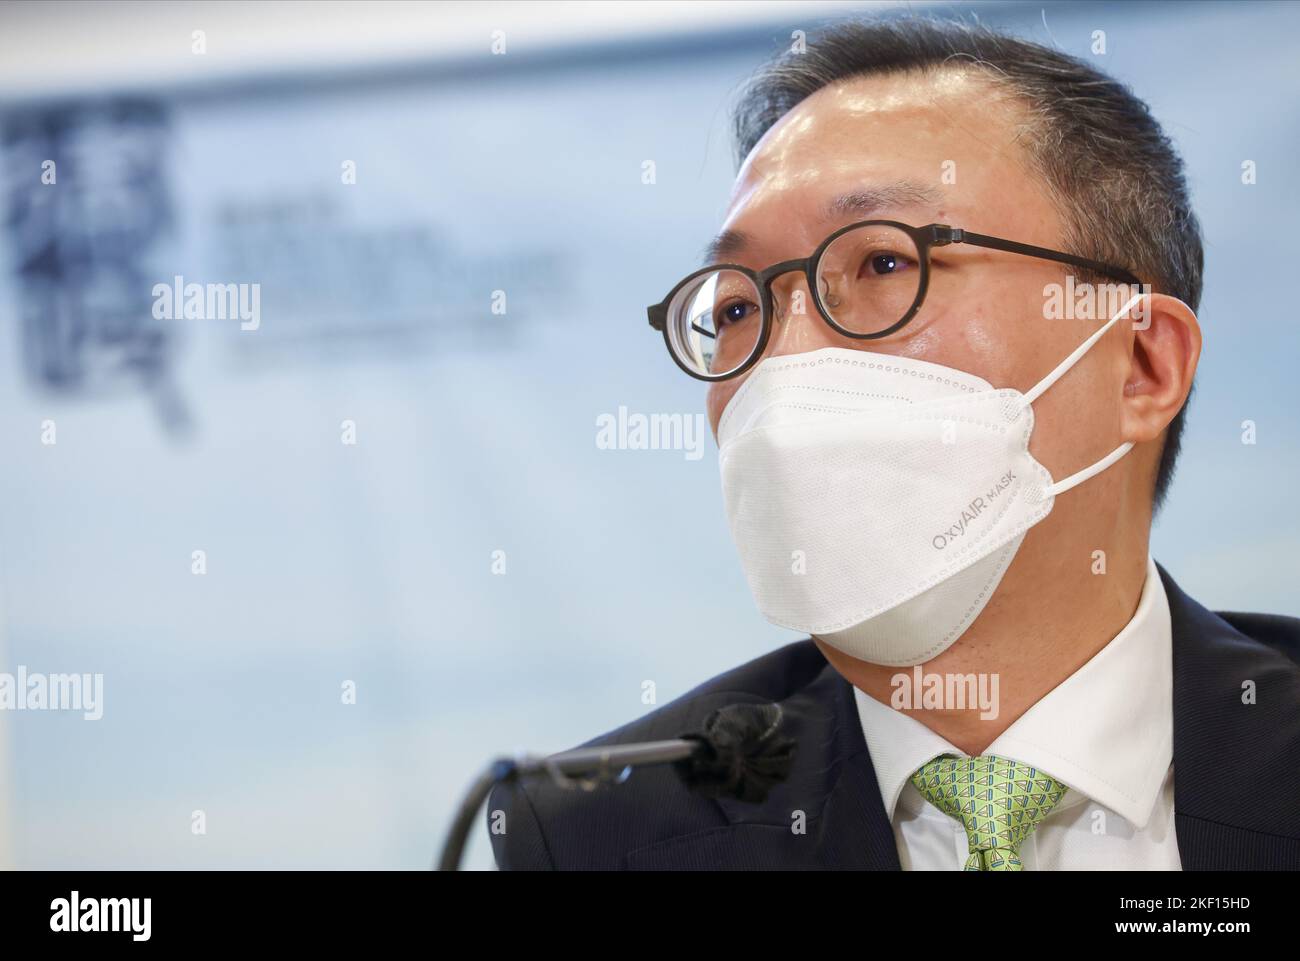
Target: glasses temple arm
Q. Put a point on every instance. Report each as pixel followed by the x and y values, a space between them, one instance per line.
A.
pixel 1044 253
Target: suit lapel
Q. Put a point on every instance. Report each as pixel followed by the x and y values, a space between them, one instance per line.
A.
pixel 1236 764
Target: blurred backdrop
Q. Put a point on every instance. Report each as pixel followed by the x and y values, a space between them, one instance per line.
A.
pixel 395 480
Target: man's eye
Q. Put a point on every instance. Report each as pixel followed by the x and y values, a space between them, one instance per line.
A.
pixel 884 263
pixel 735 312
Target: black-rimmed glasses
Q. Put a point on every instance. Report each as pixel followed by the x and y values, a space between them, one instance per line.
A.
pixel 867 280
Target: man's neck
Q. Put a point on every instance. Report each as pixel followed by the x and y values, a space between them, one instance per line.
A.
pixel 1041 626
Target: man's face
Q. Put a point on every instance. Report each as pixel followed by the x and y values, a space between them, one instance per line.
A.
pixel 946 147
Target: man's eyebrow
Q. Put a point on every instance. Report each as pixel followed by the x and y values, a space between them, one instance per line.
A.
pixel 869 200
pixel 860 203
pixel 723 246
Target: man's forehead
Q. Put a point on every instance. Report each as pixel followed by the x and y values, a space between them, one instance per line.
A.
pixel 937 103
pixel 864 146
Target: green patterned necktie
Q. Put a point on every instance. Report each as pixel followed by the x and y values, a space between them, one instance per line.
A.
pixel 997 800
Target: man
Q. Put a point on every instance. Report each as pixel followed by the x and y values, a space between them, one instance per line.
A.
pixel 941 462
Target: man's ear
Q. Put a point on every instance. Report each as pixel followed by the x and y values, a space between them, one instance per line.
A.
pixel 1163 356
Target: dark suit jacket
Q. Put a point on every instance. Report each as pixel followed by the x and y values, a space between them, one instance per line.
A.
pixel 1236 769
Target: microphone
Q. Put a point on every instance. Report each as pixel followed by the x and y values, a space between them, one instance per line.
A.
pixel 739 752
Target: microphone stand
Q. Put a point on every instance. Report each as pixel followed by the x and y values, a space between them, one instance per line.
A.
pixel 739 753
pixel 584 767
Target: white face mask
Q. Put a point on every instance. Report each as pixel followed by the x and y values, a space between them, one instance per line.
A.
pixel 876 500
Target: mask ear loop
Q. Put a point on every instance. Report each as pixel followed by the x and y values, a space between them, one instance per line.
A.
pixel 1074 480
pixel 1041 387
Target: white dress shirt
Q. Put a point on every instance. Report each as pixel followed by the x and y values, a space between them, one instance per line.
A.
pixel 1106 732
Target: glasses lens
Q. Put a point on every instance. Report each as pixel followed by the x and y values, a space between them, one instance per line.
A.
pixel 714 322
pixel 868 278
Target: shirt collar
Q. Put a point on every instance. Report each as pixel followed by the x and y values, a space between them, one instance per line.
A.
pixel 1106 731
